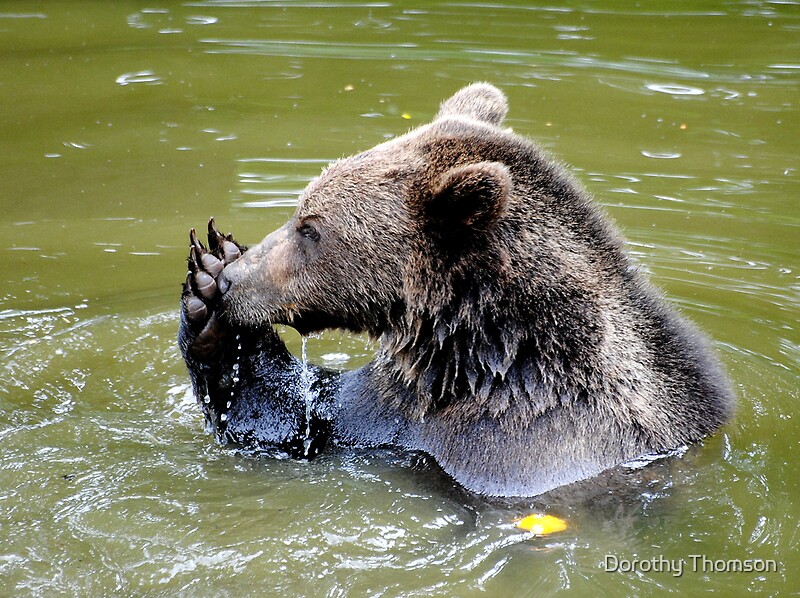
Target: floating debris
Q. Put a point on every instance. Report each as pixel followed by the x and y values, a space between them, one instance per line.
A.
pixel 540 524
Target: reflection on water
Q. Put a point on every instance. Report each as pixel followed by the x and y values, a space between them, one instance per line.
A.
pixel 122 127
pixel 278 186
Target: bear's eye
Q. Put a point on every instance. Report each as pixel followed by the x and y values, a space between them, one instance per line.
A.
pixel 308 231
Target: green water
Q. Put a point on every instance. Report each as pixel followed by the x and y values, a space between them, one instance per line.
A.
pixel 122 124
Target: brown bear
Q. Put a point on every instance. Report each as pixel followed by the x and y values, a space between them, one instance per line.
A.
pixel 519 346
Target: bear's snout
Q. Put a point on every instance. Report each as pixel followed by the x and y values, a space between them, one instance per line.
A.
pixel 240 274
pixel 256 288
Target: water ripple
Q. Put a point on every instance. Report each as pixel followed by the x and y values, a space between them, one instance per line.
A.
pixel 139 78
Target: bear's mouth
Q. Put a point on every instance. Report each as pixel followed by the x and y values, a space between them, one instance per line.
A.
pixel 307 322
pixel 304 319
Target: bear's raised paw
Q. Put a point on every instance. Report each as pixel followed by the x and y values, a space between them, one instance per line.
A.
pixel 201 293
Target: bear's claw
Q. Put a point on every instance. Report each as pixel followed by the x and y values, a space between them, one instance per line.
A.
pixel 223 246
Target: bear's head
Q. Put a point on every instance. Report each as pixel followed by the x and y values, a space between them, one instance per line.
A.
pixel 439 244
pixel 371 225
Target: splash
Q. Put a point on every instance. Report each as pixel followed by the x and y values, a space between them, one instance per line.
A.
pixel 309 395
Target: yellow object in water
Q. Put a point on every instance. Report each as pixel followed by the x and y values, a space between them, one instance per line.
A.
pixel 542 525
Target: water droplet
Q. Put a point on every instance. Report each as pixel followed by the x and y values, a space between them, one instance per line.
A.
pixel 235 367
pixel 206 399
pixel 223 417
pixel 228 405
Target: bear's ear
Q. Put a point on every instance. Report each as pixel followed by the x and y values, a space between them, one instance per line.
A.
pixel 470 197
pixel 479 101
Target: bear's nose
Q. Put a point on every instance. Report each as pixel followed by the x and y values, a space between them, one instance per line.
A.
pixel 223 284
